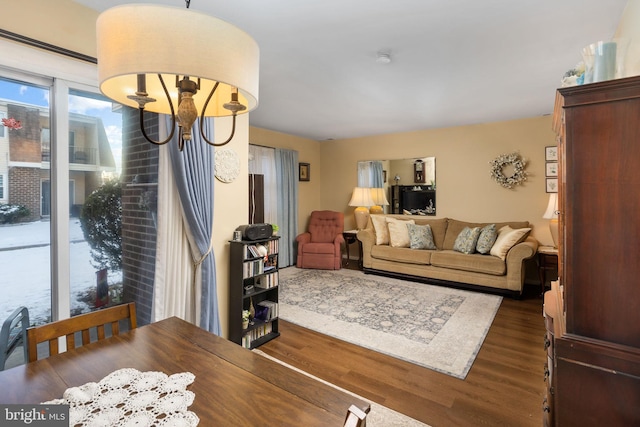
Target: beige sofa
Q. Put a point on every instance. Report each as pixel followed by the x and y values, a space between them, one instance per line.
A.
pixel 446 266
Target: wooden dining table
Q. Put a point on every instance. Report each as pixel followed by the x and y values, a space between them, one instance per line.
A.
pixel 233 386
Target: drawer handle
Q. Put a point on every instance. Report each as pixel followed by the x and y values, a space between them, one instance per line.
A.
pixel 547 343
pixel 546 373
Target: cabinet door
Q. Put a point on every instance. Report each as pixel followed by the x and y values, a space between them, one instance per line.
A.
pixel 601 226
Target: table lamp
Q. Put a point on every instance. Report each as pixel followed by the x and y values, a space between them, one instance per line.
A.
pixel 361 198
pixel 379 199
pixel 552 215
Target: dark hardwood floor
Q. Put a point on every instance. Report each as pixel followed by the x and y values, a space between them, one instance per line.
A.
pixel 503 388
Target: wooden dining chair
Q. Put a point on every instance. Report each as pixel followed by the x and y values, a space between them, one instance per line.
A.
pixel 356 417
pixel 84 325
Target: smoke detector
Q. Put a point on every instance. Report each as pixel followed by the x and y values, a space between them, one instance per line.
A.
pixel 383 58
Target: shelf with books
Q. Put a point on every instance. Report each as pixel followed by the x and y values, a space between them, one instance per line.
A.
pixel 254 280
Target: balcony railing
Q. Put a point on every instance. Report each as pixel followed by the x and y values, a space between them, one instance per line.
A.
pixel 77 155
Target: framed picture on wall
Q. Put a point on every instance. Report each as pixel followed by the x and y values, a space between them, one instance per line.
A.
pixel 551 153
pixel 552 169
pixel 304 171
pixel 552 185
pixel 384 176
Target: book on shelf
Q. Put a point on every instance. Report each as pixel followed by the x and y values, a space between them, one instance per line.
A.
pixel 256 333
pixel 272 309
pixel 267 281
pixel 253 268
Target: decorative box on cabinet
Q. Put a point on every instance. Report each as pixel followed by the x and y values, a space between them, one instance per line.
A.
pixel 253 283
pixel 596 373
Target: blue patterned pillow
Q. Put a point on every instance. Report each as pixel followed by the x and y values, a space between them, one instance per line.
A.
pixel 467 240
pixel 487 238
pixel 420 237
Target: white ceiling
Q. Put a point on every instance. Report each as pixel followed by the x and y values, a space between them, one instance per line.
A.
pixel 454 62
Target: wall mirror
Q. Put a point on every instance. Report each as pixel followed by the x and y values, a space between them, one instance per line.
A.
pixel 410 184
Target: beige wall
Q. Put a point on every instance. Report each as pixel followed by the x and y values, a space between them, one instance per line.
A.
pixel 464 188
pixel 63 23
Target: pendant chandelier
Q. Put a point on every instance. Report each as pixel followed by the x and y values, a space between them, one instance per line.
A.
pixel 176 61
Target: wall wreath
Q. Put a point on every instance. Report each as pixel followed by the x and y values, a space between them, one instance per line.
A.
pixel 503 161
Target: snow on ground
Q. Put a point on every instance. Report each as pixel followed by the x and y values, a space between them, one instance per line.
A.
pixel 25 269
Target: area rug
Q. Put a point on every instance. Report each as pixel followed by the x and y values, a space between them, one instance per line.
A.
pixel 435 327
pixel 379 416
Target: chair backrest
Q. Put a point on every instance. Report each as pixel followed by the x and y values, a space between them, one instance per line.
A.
pixel 324 226
pixel 84 324
pixel 356 417
pixel 12 335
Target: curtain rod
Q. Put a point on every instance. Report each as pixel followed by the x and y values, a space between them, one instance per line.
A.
pixel 46 46
pixel 263 146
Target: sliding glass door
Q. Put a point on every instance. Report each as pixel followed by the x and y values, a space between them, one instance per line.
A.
pixel 25 232
pixel 60 146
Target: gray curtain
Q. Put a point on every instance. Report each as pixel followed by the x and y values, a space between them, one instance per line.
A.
pixel 287 182
pixel 194 174
pixel 370 174
pixel 376 175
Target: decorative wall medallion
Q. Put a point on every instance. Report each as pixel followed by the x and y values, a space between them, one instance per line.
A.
pixel 512 163
pixel 227 165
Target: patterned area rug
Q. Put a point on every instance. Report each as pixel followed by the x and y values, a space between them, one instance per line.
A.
pixel 432 326
pixel 379 415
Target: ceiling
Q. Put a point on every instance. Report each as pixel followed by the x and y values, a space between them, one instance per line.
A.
pixel 453 62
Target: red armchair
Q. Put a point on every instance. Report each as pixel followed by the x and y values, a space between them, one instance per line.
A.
pixel 321 246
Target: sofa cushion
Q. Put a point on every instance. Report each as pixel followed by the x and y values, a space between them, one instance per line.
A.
pixel 380 227
pixel 487 238
pixel 469 262
pixel 420 237
pixel 404 255
pixel 467 240
pixel 507 238
pixel 398 232
pixel 454 227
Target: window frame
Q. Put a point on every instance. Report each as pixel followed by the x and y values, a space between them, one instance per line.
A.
pixel 24 63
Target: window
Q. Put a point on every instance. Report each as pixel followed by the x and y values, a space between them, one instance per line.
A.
pixel 1 187
pixel 3 115
pixel 60 112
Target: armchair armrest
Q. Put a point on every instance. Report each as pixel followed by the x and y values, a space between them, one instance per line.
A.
pixel 303 238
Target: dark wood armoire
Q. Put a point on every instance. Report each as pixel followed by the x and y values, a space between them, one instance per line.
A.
pixel 594 335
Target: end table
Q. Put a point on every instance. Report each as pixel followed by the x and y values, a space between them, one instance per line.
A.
pixel 547 260
pixel 350 237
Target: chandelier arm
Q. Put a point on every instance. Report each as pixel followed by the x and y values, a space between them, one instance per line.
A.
pixel 173 119
pixel 233 131
pixel 204 108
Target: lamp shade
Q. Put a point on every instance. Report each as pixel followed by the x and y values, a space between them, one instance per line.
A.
pixel 150 39
pixel 379 197
pixel 552 207
pixel 361 197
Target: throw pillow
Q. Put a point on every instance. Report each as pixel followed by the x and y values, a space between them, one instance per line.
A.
pixel 488 236
pixel 398 232
pixel 420 237
pixel 381 229
pixel 507 238
pixel 467 240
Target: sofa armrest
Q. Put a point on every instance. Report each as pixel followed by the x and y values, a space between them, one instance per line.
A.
pixel 515 262
pixel 368 238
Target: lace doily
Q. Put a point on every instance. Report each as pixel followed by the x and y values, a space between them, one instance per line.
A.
pixel 128 397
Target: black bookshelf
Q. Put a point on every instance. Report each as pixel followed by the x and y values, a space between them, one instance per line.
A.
pixel 254 283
